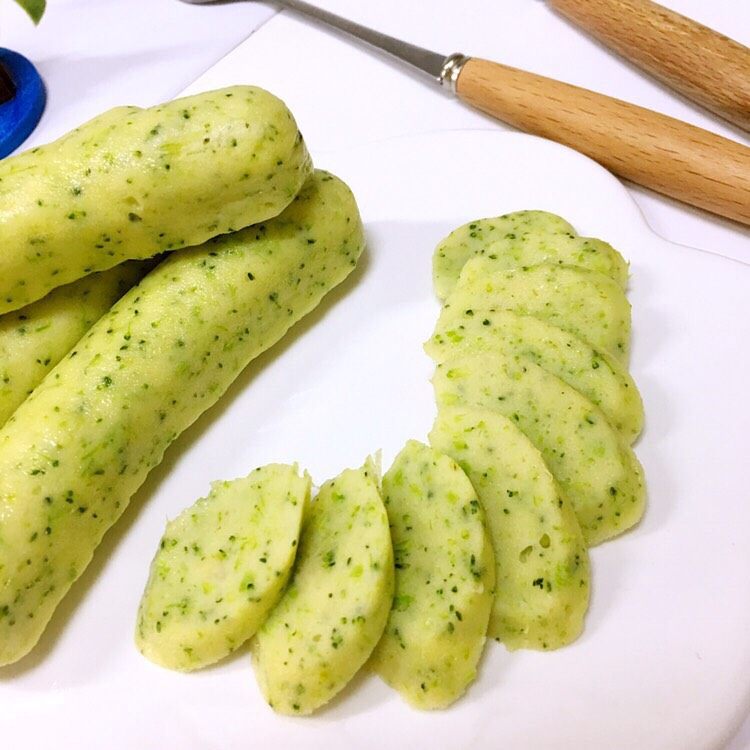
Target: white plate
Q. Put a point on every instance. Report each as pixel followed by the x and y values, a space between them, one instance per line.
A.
pixel 664 661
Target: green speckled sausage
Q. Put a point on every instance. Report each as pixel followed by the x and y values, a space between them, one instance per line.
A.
pixel 133 182
pixel 542 587
pixel 221 566
pixel 445 577
pixel 582 302
pixel 597 471
pixel 595 373
pixel 332 615
pixel 76 450
pixel 36 337
pixel 523 238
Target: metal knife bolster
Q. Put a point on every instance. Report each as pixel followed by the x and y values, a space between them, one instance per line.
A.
pixel 451 70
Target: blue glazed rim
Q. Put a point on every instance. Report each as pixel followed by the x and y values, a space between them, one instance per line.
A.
pixel 20 115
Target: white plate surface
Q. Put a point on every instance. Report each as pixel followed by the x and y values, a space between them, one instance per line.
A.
pixel 664 661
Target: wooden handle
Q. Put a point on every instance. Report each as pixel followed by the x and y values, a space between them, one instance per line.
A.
pixel 654 150
pixel 707 67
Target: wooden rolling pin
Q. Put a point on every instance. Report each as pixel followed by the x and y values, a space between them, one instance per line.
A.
pixel 703 65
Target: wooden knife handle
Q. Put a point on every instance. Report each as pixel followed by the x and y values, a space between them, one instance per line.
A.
pixel 703 65
pixel 664 154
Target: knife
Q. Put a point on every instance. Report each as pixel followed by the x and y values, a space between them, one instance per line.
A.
pixel 660 152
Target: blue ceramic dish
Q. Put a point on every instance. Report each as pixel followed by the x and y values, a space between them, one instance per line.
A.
pixel 20 115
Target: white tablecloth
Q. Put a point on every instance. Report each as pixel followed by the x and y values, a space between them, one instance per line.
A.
pixel 95 54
